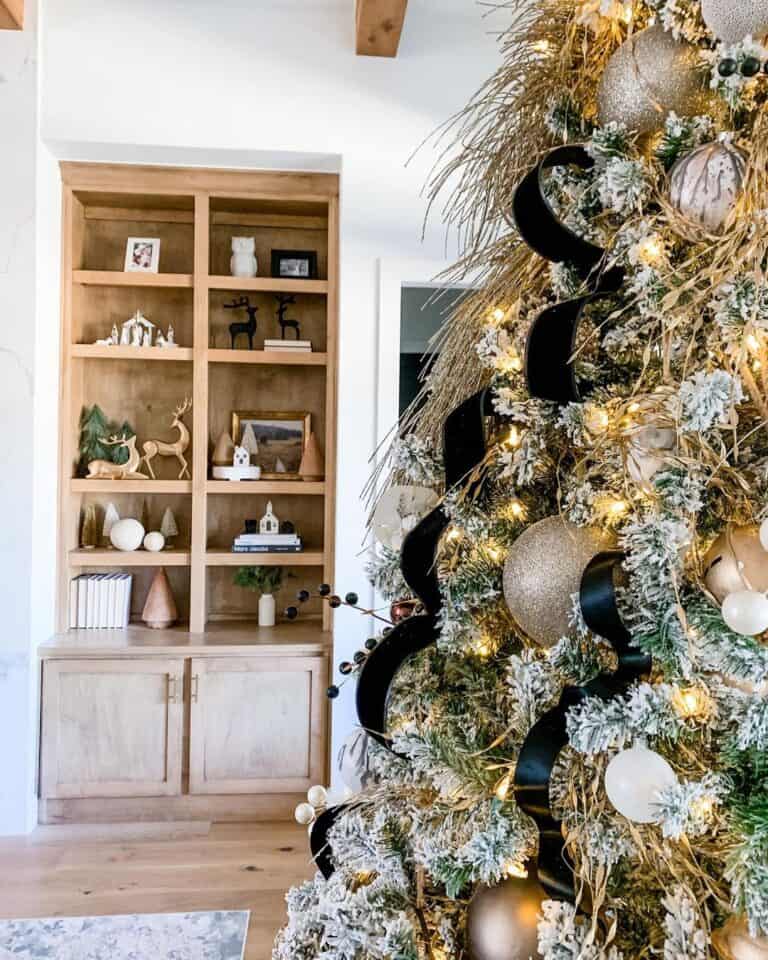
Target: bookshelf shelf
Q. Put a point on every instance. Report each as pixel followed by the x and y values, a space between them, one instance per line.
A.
pixel 130 486
pixel 224 558
pixel 267 285
pixel 116 278
pixel 195 214
pixel 136 558
pixel 274 357
pixel 300 488
pixel 87 351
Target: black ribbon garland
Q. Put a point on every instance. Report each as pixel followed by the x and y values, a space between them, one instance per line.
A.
pixel 548 736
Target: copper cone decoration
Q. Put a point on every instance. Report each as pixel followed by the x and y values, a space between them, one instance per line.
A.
pixel 312 466
pixel 160 608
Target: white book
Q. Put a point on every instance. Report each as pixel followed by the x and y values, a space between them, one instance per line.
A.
pixel 127 607
pixel 110 620
pixel 82 602
pixel 267 538
pixel 100 600
pixel 74 585
pixel 287 344
pixel 90 604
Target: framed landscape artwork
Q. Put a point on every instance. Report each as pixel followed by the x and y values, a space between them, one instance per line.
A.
pixel 275 440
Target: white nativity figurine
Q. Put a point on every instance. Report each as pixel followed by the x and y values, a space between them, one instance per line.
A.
pixel 112 340
pixel 167 341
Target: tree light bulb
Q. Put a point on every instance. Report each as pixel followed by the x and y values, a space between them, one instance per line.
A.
pixel 541 46
pixel 483 649
pixel 517 509
pixel 502 787
pixel 633 407
pixel 453 534
pixel 702 808
pixel 497 315
pixel 513 868
pixel 752 343
pixel 515 363
pixel 691 702
pixel 651 250
pixel 597 419
pixel 515 437
pixel 494 552
pixel 756 365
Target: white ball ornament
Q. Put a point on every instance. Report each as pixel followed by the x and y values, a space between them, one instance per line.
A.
pixel 154 541
pixel 633 780
pixel 317 796
pixel 305 814
pixel 746 612
pixel 353 762
pixel 126 534
pixel 732 20
pixel 705 184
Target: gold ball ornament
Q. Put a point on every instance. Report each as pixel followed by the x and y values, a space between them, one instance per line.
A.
pixel 647 77
pixel 732 20
pixel 736 561
pixel 733 941
pixel 542 571
pixel 705 185
pixel 502 921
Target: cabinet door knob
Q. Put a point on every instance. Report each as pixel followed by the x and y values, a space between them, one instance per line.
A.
pixel 195 684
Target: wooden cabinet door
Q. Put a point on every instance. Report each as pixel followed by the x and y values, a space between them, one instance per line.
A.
pixel 112 728
pixel 257 724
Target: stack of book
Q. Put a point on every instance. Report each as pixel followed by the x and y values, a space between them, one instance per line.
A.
pixel 267 543
pixel 291 346
pixel 99 601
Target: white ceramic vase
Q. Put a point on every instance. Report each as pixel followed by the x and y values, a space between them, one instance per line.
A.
pixel 266 610
pixel 243 262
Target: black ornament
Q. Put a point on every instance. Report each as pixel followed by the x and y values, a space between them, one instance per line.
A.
pixel 334 602
pixel 302 596
pixel 750 67
pixel 727 67
pixel 287 527
pixel 291 613
pixel 352 599
pixel 345 667
pixel 359 656
pixel 370 643
pixel 332 692
pixel 324 589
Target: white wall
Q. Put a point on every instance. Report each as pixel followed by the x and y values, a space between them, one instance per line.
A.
pixel 259 83
pixel 18 122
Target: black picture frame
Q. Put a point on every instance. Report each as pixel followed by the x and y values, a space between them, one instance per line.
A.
pixel 280 258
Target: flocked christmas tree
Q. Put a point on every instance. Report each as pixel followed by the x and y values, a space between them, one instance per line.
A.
pixel 574 762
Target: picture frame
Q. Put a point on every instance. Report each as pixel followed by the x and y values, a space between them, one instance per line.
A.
pixel 278 434
pixel 294 264
pixel 142 255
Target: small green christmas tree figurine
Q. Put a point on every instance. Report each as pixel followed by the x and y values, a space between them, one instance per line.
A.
pixel 94 430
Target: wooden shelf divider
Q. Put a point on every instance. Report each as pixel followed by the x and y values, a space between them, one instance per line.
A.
pixel 116 278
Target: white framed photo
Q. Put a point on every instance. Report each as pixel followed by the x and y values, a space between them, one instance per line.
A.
pixel 142 255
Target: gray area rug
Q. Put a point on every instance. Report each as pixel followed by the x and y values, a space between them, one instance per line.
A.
pixel 211 935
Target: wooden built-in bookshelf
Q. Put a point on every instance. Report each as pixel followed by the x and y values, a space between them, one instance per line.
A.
pixel 195 213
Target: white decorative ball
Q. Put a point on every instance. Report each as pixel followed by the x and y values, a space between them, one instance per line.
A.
pixel 705 184
pixel 398 511
pixel 764 534
pixel 746 612
pixel 126 534
pixel 154 541
pixel 304 813
pixel 633 780
pixel 317 796
pixel 732 20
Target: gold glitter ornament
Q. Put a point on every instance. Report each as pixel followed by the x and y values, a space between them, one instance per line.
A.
pixel 733 941
pixel 736 561
pixel 502 921
pixel 647 77
pixel 732 20
pixel 543 570
pixel 705 185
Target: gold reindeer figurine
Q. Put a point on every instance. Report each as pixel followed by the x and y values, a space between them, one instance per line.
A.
pixel 153 448
pixel 107 470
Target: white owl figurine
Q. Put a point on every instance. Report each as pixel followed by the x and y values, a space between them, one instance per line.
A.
pixel 243 262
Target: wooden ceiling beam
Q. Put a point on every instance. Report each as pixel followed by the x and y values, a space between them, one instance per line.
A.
pixel 11 14
pixel 379 25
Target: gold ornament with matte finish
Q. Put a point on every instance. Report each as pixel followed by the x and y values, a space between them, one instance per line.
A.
pixel 649 75
pixel 736 561
pixel 543 570
pixel 732 20
pixel 705 185
pixel 733 941
pixel 502 921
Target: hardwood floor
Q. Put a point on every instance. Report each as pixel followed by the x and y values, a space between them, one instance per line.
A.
pixel 157 868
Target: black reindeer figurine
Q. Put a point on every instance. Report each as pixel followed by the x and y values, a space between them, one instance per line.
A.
pixel 285 300
pixel 249 328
